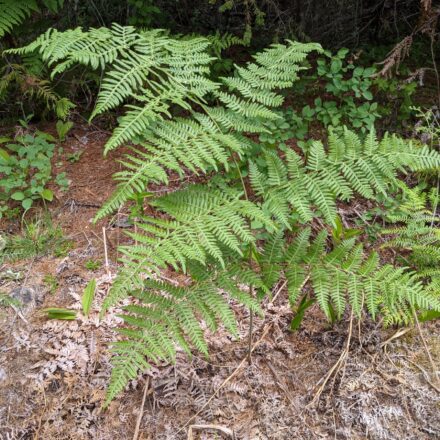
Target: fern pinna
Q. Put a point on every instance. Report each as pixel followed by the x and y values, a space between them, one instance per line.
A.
pixel 180 121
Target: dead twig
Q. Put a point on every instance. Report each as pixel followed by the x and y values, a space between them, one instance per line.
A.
pixel 141 410
pixel 280 384
pixel 425 373
pixel 104 239
pixel 398 334
pixel 425 345
pixel 336 367
pixel 251 329
pixel 279 290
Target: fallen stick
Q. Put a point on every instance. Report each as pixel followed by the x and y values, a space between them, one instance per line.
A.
pixel 104 239
pixel 141 410
pixel 336 367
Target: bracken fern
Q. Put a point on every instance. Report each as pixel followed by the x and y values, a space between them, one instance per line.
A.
pixel 237 229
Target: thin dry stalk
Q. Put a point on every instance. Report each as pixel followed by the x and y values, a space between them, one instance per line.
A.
pixel 141 410
pixel 222 429
pixel 336 367
pixel 428 352
pixel 104 239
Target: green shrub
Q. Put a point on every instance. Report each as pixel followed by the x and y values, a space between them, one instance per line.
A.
pixel 26 170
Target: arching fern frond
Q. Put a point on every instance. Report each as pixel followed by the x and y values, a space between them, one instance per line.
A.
pixel 345 275
pixel 172 146
pixel 417 230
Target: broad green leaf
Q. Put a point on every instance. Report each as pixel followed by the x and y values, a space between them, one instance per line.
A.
pixel 368 95
pixel 336 66
pixel 27 203
pixel 4 154
pixel 47 194
pixel 18 195
pixel 302 308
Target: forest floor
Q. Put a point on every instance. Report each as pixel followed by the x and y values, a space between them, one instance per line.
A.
pixel 53 374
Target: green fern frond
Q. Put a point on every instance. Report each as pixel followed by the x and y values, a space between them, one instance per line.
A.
pixel 204 221
pixel 415 228
pixel 311 185
pixel 220 42
pixel 171 145
pixel 345 275
pixel 14 12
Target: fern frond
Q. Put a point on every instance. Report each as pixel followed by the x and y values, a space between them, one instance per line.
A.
pixel 417 230
pixel 14 12
pixel 312 185
pixel 203 223
pixel 171 145
pixel 345 275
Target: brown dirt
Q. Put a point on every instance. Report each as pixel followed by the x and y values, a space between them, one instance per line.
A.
pixel 53 374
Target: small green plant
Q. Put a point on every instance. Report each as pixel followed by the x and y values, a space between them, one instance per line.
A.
pixel 63 127
pixel 428 126
pixel 278 130
pixel 62 181
pixel 26 170
pixel 143 12
pixel 344 92
pixel 7 301
pixel 341 233
pixel 38 238
pixel 92 264
pixel 395 97
pixel 74 157
pixel 350 88
pixel 88 295
pixel 51 282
